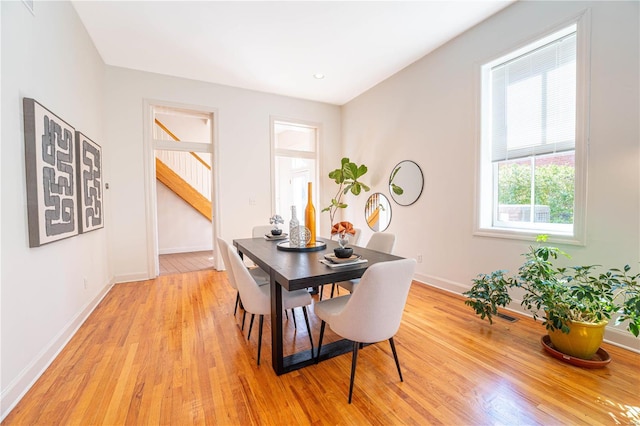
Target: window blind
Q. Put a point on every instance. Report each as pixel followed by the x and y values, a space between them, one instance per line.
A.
pixel 534 101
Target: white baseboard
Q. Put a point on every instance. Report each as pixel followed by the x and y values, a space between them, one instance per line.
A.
pixel 14 392
pixel 617 336
pixel 140 276
pixel 174 250
pixel 441 283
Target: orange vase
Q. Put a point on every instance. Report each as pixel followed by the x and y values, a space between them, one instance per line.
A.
pixel 310 217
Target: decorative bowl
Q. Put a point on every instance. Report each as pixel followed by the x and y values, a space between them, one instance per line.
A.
pixel 276 232
pixel 343 252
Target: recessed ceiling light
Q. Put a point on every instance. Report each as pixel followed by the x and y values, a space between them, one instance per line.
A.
pixel 318 76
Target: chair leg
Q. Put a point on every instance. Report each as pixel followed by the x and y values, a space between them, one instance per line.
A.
pixel 286 314
pixel 354 361
pixel 320 340
pixel 321 290
pixel 237 300
pixel 395 356
pixel 293 314
pixel 260 337
pixel 250 326
pixel 333 288
pixel 306 320
pixel 244 315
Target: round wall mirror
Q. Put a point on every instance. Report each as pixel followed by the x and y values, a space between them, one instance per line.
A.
pixel 406 182
pixel 377 212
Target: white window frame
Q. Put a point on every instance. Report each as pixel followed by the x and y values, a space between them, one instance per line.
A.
pixel 484 225
pixel 315 156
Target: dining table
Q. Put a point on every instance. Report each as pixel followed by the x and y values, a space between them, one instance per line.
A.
pixel 293 268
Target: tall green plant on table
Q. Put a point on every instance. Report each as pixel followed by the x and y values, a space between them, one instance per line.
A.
pixel 563 297
pixel 347 178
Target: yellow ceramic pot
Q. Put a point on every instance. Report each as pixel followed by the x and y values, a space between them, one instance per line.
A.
pixel 583 341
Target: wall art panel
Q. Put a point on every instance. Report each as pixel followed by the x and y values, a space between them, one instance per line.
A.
pixel 90 190
pixel 50 171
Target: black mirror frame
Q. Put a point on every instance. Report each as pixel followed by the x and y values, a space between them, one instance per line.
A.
pixel 393 197
pixel 368 207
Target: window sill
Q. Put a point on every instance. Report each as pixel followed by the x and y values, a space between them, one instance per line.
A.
pixel 528 235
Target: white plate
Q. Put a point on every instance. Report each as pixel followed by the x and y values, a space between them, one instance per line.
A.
pixel 330 264
pixel 333 258
pixel 271 237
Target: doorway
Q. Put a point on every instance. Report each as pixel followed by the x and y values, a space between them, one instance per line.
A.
pixel 182 229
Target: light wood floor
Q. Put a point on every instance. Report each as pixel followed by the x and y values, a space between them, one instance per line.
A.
pixel 179 263
pixel 170 351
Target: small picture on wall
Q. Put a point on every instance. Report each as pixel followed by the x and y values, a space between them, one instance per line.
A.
pixel 50 171
pixel 90 191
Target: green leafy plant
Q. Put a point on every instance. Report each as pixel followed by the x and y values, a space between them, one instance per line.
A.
pixel 578 293
pixel 347 178
pixel 395 188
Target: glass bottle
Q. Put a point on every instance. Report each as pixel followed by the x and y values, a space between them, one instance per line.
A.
pixel 310 217
pixel 293 224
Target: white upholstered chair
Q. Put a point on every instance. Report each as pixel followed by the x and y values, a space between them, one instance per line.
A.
pixel 257 299
pixel 372 313
pixel 355 238
pixel 379 241
pixel 261 230
pixel 258 231
pixel 260 277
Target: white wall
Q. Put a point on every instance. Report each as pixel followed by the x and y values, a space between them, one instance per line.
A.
pixel 181 228
pixel 244 151
pixel 48 57
pixel 428 113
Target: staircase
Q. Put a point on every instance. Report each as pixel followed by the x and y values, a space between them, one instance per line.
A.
pixel 187 175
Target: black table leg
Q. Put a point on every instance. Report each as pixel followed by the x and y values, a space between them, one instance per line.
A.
pixel 277 353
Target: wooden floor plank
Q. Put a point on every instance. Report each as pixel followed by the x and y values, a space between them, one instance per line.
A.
pixel 170 351
pixel 179 263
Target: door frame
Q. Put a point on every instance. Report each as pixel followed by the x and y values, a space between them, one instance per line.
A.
pixel 151 206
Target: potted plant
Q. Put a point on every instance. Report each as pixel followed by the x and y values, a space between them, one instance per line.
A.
pixel 568 299
pixel 275 220
pixel 341 229
pixel 347 177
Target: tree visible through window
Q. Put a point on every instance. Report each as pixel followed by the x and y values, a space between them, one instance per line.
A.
pixel 528 163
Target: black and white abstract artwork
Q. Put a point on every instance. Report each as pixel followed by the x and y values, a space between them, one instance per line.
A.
pixel 90 190
pixel 52 200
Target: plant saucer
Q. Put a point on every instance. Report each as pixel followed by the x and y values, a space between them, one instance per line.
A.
pixel 599 360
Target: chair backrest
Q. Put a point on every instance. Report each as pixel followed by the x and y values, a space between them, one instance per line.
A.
pixel 382 241
pixel 374 310
pixel 261 230
pixel 254 299
pixel 355 239
pixel 223 246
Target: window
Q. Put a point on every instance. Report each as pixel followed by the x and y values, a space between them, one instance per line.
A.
pixel 531 140
pixel 295 158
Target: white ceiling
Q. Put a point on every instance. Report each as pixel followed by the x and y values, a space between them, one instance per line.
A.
pixel 276 47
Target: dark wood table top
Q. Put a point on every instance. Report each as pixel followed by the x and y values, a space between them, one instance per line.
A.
pixel 297 270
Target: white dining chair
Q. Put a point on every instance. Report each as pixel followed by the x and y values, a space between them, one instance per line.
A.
pixel 257 299
pixel 258 275
pixel 258 231
pixel 261 230
pixel 372 313
pixel 355 239
pixel 380 241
